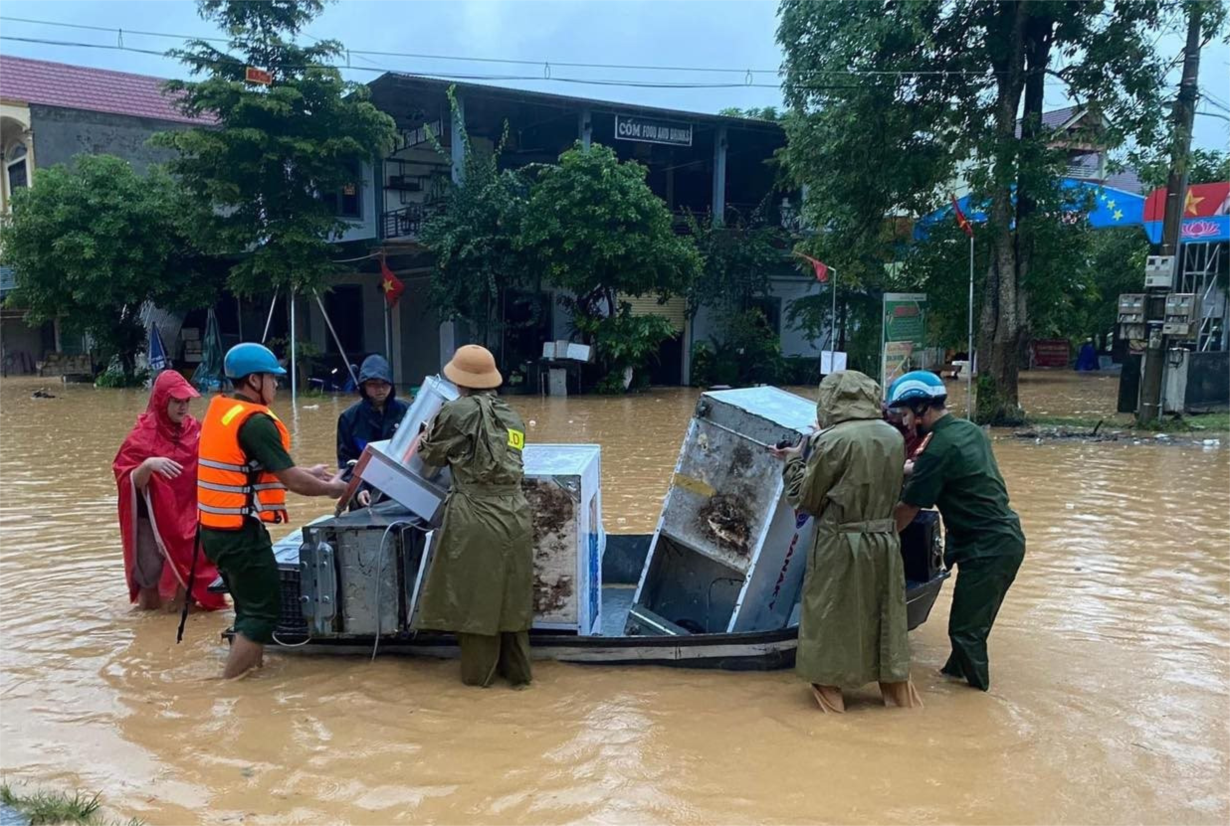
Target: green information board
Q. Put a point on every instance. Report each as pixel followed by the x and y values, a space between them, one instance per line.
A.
pixel 905 330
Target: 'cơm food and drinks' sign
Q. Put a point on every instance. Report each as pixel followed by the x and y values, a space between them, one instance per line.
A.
pixel 647 130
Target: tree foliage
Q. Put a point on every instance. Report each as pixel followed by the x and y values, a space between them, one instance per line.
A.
pixel 896 101
pixel 1206 166
pixel 278 154
pixel 738 260
pixel 475 238
pixel 595 228
pixel 90 244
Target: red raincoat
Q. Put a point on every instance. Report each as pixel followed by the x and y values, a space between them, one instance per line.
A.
pixel 170 503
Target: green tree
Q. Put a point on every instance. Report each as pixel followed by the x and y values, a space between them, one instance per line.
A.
pixel 762 113
pixel 278 154
pixel 475 240
pixel 896 99
pixel 737 262
pixel 594 228
pixel 1206 166
pixel 90 244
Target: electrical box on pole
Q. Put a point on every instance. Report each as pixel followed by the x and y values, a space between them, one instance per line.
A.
pixel 1132 316
pixel 1182 316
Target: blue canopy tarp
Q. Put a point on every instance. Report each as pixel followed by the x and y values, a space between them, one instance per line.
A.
pixel 1111 208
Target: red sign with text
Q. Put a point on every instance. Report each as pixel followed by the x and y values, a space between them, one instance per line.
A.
pixel 1051 352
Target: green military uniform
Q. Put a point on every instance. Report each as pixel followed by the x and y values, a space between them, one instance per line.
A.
pixel 245 557
pixel 853 625
pixel 957 473
pixel 481 585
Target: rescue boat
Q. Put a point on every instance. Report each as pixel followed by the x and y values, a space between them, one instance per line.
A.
pixel 350 586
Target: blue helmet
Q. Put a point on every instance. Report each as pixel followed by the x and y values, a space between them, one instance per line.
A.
pixel 248 358
pixel 916 386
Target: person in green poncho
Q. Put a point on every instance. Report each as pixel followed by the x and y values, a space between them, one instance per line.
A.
pixel 481 585
pixel 853 624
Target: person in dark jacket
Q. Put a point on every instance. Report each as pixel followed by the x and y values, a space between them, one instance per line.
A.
pixel 375 416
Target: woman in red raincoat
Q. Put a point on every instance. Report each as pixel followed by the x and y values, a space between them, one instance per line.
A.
pixel 155 472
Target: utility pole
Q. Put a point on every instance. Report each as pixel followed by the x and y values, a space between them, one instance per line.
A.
pixel 1150 405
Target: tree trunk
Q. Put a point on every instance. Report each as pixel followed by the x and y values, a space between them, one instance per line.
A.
pixel 1002 327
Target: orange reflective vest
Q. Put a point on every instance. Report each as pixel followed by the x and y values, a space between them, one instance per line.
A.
pixel 229 486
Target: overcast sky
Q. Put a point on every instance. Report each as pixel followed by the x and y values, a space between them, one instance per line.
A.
pixel 701 33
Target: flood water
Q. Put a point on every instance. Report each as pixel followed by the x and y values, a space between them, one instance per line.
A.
pixel 1110 664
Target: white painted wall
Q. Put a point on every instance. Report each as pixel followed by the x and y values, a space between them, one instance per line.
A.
pixel 365 226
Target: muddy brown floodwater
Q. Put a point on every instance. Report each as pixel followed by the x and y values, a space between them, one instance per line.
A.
pixel 1111 666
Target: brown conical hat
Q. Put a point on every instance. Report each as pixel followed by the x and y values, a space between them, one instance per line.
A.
pixel 474 367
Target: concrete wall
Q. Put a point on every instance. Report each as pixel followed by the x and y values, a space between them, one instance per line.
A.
pixel 416 329
pixel 372 320
pixel 787 290
pixel 62 134
pixel 1208 381
pixel 364 227
pixel 22 345
pixel 795 342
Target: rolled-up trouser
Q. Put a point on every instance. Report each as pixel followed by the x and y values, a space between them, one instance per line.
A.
pixel 251 576
pixel 977 596
pixel 484 656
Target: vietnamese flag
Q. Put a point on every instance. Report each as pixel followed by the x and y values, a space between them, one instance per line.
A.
pixel 392 286
pixel 962 221
pixel 822 270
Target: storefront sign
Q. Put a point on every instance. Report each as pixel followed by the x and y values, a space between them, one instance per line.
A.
pixel 652 131
pixel 258 76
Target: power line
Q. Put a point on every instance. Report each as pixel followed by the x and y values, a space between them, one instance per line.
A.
pixel 546 64
pixel 638 84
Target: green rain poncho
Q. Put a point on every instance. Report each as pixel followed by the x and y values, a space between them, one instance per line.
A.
pixel 853 625
pixel 481 577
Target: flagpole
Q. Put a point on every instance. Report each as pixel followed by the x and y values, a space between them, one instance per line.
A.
pixel 969 368
pixel 833 333
pixel 294 379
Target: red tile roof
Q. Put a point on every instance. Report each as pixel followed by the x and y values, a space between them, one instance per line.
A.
pixel 83 87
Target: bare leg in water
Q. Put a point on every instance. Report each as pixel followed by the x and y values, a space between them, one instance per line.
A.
pixel 901 695
pixel 176 605
pixel 148 599
pixel 245 656
pixel 829 699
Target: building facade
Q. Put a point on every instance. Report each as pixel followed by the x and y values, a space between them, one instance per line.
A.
pixel 49 114
pixel 706 165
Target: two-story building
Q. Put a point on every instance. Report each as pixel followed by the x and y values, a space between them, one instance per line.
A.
pixel 50 113
pixel 699 163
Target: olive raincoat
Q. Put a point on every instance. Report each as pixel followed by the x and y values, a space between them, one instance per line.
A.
pixel 481 578
pixel 853 625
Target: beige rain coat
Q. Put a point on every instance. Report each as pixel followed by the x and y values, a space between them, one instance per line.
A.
pixel 853 624
pixel 481 577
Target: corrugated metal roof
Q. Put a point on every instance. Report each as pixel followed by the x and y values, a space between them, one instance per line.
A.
pixel 1127 180
pixel 93 90
pixel 566 101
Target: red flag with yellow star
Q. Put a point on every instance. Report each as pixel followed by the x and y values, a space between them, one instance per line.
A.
pixel 392 286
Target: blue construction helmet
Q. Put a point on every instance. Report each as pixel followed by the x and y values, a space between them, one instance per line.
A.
pixel 248 358
pixel 916 386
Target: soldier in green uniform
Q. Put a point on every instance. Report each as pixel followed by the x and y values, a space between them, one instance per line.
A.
pixel 956 472
pixel 853 626
pixel 480 585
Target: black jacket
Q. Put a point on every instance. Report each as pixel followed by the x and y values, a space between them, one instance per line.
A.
pixel 362 423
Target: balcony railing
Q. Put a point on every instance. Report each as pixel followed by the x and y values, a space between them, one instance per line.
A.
pixel 407 222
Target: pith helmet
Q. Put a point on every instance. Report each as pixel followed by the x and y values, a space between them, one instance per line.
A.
pixel 474 367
